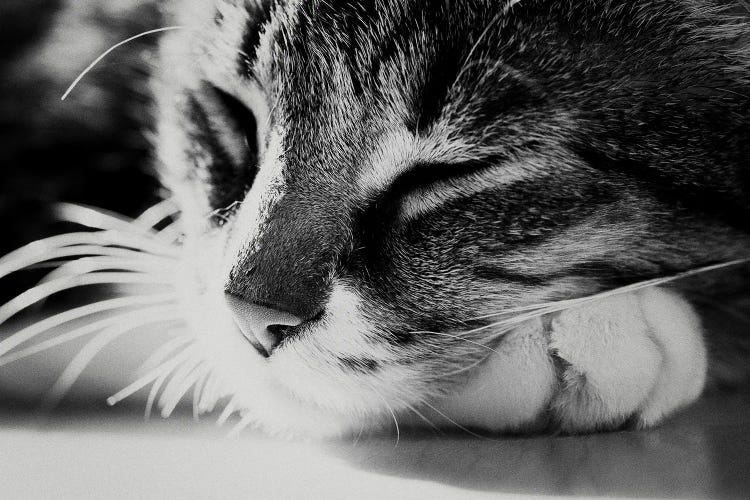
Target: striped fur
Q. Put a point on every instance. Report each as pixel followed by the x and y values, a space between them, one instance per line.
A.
pixel 405 168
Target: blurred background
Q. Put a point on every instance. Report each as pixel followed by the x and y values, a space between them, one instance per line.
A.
pixel 91 149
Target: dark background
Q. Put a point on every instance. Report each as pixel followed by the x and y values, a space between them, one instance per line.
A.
pixel 91 148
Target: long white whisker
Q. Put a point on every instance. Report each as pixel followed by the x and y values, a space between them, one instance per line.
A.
pixel 109 51
pixel 453 421
pixel 167 313
pixel 41 292
pixel 56 320
pixel 210 395
pixel 178 386
pixel 390 409
pixel 155 214
pixel 463 369
pixel 198 388
pixel 227 412
pixel 244 422
pixel 154 374
pixel 87 265
pixel 171 233
pixel 420 415
pixel 99 218
pixel 564 304
pixel 75 244
pixel 164 350
pixel 458 337
pixel 87 353
pixel 153 393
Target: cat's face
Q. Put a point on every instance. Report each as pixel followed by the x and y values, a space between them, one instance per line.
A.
pixel 390 173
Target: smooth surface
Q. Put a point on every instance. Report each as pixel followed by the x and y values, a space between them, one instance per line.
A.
pixel 702 453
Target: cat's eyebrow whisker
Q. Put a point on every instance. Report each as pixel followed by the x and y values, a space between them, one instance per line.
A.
pixel 114 47
pixel 166 367
pixel 60 319
pixel 85 355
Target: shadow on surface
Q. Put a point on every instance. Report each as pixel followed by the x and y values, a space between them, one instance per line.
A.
pixel 703 452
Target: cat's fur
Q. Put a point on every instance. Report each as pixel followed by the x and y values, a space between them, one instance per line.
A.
pixel 408 176
pixel 421 165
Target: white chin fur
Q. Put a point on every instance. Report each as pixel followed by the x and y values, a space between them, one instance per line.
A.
pixel 638 356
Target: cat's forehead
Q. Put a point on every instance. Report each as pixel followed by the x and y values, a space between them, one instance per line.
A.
pixel 346 80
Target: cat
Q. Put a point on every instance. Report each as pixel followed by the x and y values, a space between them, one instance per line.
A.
pixel 453 213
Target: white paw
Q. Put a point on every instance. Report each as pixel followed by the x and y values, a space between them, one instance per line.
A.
pixel 635 357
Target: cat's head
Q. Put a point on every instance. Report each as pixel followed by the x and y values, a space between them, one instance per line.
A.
pixel 365 184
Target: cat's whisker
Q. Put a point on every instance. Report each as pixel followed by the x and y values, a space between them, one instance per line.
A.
pixel 457 337
pixel 421 416
pixel 86 354
pixel 41 292
pixel 86 265
pixel 99 218
pixel 463 369
pixel 155 214
pixel 166 367
pixel 390 410
pixel 104 54
pixel 60 319
pixel 153 393
pixel 143 226
pixel 163 351
pixel 244 423
pixel 171 233
pixel 165 313
pixel 210 395
pixel 567 303
pixel 459 426
pixel 102 243
pixel 180 383
pixel 227 412
pixel 198 389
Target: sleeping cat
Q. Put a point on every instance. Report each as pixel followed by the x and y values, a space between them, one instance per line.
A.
pixel 395 212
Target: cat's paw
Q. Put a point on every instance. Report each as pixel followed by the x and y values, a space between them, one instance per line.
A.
pixel 630 358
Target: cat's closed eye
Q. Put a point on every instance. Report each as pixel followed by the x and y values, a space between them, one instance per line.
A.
pixel 227 130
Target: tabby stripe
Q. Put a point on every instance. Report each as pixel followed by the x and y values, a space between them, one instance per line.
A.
pixel 259 12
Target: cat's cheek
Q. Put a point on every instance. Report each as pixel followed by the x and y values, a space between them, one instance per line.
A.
pixel 510 391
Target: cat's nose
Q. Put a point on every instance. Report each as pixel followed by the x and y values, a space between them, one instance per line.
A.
pixel 263 326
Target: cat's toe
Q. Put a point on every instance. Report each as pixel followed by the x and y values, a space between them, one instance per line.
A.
pixel 631 358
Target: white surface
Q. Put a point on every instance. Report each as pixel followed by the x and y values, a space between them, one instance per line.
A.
pixel 92 459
